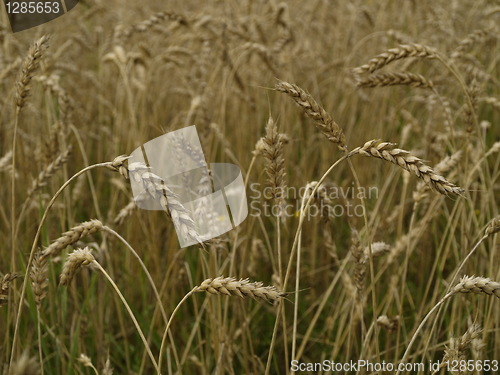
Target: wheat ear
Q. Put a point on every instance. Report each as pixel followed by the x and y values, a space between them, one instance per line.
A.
pixel 388 151
pixel 272 150
pixel 5 286
pixel 458 347
pixel 30 66
pixel 402 52
pixel 72 236
pixel 312 109
pixel 229 286
pixel 394 79
pixel 169 201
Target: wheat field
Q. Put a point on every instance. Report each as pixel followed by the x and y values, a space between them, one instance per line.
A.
pixel 367 134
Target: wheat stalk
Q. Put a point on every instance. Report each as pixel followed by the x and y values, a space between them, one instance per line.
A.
pixel 467 284
pixel 394 79
pixel 148 24
pixel 39 277
pixel 493 228
pixel 272 150
pixel 169 201
pixel 87 362
pixel 76 259
pixel 30 65
pixel 125 212
pixel 5 286
pixel 459 346
pixel 72 236
pixel 388 151
pixel 404 51
pixel 228 286
pixel 83 257
pixel 474 38
pixel 45 175
pixel 477 285
pixel 312 109
pixel 444 166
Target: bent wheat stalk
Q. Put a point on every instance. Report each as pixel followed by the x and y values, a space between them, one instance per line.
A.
pixel 116 165
pixel 83 257
pixel 467 284
pixel 227 286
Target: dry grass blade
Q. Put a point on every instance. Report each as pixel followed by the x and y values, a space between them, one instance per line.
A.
pixel 312 109
pixel 388 151
pixel 394 79
pixel 229 286
pixel 402 52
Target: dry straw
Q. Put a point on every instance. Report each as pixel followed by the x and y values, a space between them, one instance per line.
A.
pixel 312 109
pixel 388 151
